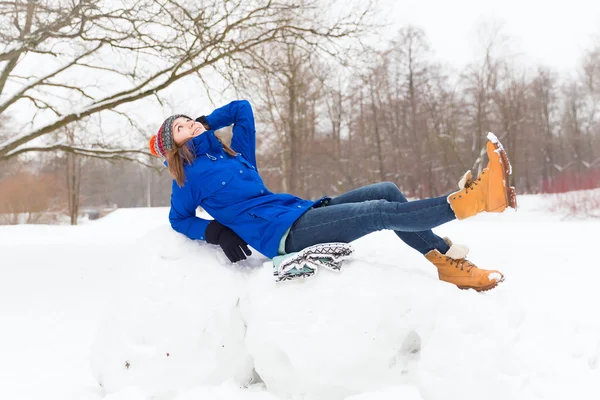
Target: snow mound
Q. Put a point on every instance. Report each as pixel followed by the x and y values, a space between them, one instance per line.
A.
pixel 339 334
pixel 184 318
pixel 186 324
pixel 175 323
pixel 225 391
pixel 394 392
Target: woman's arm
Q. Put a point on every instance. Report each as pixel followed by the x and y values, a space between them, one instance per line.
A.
pixel 183 219
pixel 183 215
pixel 190 225
pixel 239 113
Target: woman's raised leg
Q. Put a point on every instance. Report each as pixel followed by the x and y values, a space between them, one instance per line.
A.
pixel 345 222
pixel 423 241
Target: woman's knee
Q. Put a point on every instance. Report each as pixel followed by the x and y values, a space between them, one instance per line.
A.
pixel 391 192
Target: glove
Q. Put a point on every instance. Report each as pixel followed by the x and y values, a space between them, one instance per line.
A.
pixel 234 247
pixel 203 121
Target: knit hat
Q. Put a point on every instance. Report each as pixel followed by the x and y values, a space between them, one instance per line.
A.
pixel 163 141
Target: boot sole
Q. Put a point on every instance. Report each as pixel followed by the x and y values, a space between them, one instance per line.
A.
pixel 297 277
pixel 510 192
pixel 485 288
pixel 334 252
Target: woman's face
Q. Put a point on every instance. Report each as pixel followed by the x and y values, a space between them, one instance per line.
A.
pixel 184 129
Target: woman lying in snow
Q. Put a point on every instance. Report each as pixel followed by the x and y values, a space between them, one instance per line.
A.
pixel 301 234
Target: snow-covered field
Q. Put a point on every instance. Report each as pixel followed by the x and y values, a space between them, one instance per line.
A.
pixel 125 308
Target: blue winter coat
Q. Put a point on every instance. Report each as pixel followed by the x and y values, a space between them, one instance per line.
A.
pixel 230 188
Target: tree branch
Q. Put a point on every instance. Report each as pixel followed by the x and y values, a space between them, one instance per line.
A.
pixel 20 93
pixel 89 152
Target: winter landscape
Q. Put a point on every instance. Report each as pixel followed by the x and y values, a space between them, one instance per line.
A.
pixel 126 308
pixel 101 297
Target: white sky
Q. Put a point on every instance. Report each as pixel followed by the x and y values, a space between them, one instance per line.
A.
pixel 554 33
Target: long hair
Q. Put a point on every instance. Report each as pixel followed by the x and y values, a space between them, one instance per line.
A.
pixel 182 155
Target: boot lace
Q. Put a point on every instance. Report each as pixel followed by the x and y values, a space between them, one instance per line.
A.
pixel 472 182
pixel 461 263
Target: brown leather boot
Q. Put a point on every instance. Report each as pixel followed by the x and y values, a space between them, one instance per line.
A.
pixel 463 273
pixel 491 190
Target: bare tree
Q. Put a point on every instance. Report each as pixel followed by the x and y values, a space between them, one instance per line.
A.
pixel 140 47
pixel 573 123
pixel 445 120
pixel 336 112
pixel 288 84
pixel 73 175
pixel 372 85
pixel 510 100
pixel 482 84
pixel 544 110
pixel 591 77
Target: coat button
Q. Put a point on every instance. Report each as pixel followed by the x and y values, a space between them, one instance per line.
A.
pixel 262 191
pixel 241 172
pixel 221 156
pixel 299 206
pixel 222 183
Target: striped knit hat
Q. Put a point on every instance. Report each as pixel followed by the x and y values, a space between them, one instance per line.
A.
pixel 163 141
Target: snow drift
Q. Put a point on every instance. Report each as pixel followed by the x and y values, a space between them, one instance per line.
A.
pixel 185 319
pixel 175 321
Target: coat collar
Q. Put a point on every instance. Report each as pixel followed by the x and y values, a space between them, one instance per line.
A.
pixel 207 143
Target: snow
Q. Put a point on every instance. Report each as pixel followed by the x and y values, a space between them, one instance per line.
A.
pixel 494 276
pixel 127 303
pixel 492 138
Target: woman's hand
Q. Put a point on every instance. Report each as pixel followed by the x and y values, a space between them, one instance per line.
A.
pixel 234 247
pixel 203 121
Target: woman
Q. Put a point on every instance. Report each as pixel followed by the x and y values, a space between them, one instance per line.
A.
pixel 224 180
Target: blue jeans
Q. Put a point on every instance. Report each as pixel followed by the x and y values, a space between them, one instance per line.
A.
pixel 368 209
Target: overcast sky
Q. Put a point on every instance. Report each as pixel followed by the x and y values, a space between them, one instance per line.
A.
pixel 554 33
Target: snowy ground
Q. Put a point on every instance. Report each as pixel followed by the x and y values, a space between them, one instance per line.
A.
pixel 128 303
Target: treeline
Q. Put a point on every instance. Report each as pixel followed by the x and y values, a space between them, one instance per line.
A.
pixel 59 188
pixel 394 115
pixel 404 117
